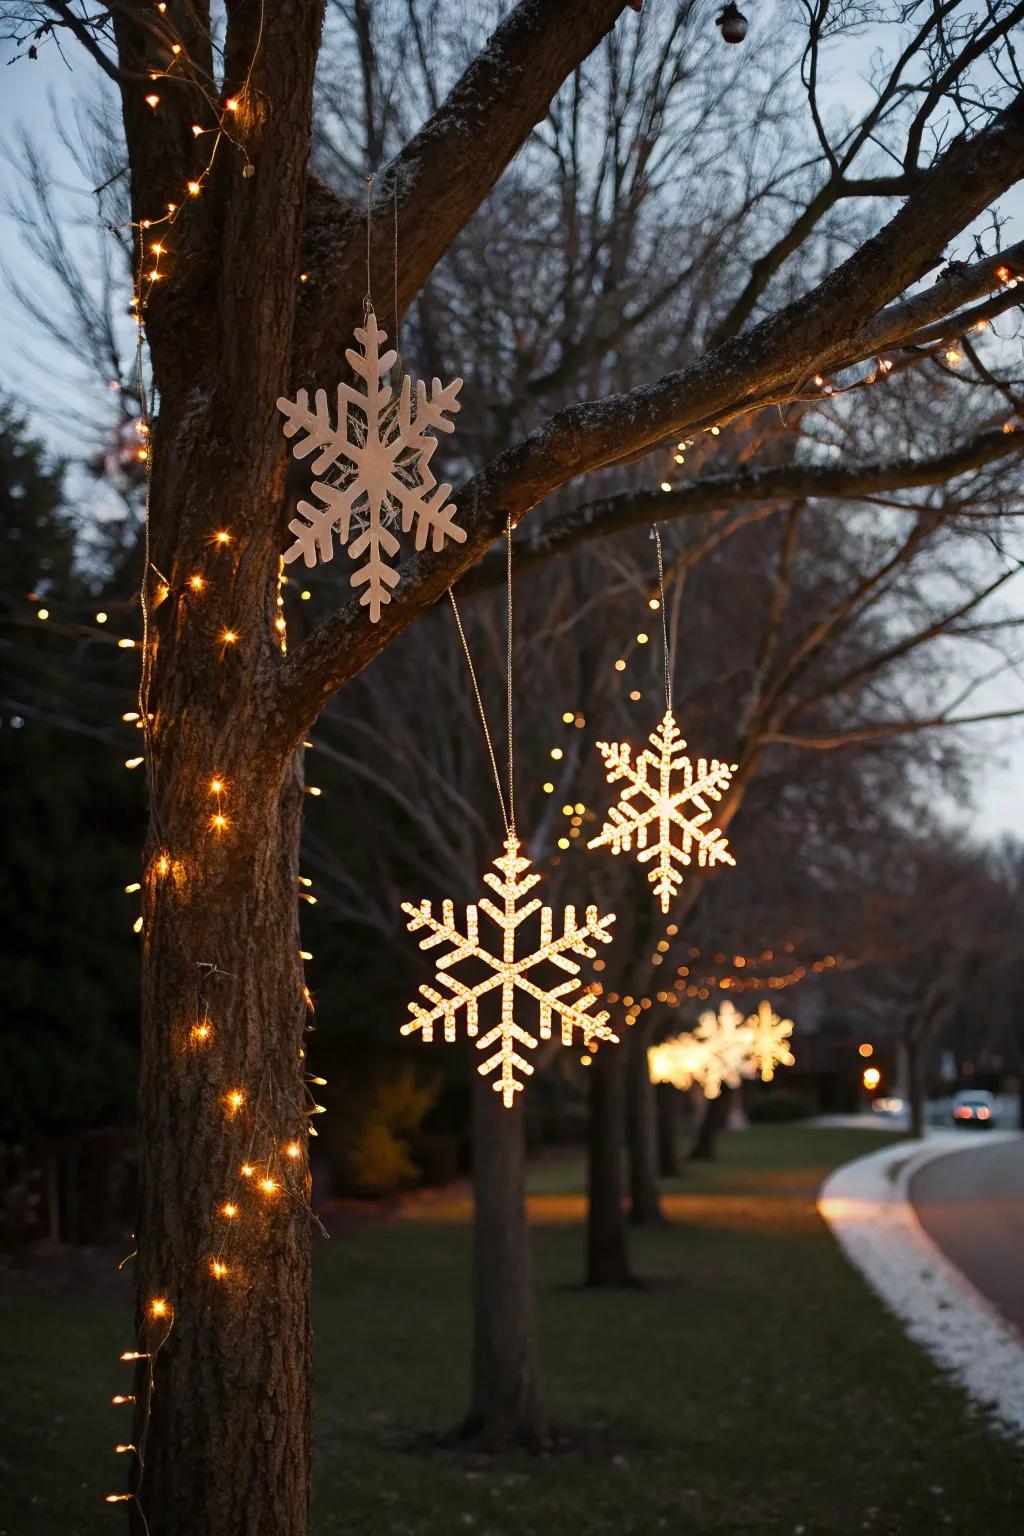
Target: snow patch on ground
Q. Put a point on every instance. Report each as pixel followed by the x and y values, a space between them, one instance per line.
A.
pixel 867 1206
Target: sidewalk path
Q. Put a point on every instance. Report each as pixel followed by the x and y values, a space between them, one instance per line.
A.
pixel 867 1206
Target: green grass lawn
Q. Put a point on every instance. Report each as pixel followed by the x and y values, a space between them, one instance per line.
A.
pixel 755 1387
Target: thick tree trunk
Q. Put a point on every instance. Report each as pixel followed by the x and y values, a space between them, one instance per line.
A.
pixel 667 1103
pixel 223 1254
pixel 506 1406
pixel 607 1253
pixel 713 1122
pixel 226 1428
pixel 641 1131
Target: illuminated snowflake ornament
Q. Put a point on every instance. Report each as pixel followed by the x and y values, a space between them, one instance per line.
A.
pixel 724 1048
pixel 374 466
pixel 769 1046
pixel 727 1038
pixel 664 807
pixel 681 1061
pixel 451 995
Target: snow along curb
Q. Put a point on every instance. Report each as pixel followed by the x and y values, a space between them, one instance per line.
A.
pixel 871 1216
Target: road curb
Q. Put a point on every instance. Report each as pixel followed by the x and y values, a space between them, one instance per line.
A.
pixel 867 1206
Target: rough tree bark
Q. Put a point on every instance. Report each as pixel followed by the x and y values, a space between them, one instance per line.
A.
pixel 506 1405
pixel 607 1252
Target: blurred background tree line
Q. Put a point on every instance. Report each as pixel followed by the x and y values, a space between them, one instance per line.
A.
pixel 830 625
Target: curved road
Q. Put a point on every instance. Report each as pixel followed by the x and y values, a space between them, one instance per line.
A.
pixel 971 1203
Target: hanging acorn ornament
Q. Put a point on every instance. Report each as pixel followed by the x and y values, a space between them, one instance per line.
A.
pixel 732 22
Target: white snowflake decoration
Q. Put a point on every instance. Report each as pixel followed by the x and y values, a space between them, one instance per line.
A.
pixel 508 973
pixel 770 1041
pixel 649 812
pixel 382 449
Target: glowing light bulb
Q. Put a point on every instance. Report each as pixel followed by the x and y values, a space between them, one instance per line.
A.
pixel 216 786
pixel 122 1397
pixel 620 665
pixel 222 537
pixel 152 100
pixel 158 1307
pixel 197 583
pixel 217 1269
pixel 229 637
pixel 229 1210
pixel 268 1186
pixel 311 789
pixel 247 1170
pixel 163 864
pixel 235 1099
pixel 133 762
pixel 124 643
pixel 136 885
pixel 665 485
pixel 194 188
pixel 218 821
pixel 557 754
pixel 232 104
pixel 642 639
pixel 201 1031
pixel 43 613
pixel 101 617
pixel 953 357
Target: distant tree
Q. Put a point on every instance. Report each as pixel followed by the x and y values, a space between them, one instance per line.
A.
pixel 69 976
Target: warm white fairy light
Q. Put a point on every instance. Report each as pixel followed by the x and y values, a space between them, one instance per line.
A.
pixel 667 824
pixel 508 973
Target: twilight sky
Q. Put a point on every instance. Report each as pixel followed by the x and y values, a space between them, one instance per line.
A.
pixel 29 89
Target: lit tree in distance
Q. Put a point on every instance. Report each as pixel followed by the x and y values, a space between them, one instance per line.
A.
pixel 724 1048
pixel 508 973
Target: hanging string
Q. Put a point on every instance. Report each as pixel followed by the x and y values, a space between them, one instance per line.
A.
pixel 666 654
pixel 368 296
pixel 394 260
pixel 508 807
pixel 508 674
pixel 480 709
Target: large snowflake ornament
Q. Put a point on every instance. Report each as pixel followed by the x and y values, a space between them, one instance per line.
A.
pixel 375 468
pixel 452 996
pixel 769 1046
pixel 666 817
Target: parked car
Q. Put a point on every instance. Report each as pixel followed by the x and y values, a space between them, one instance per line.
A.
pixel 975 1107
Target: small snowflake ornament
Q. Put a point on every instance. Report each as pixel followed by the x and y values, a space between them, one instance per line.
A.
pixel 769 1046
pixel 665 815
pixel 681 1061
pixel 374 465
pixel 727 1038
pixel 507 972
